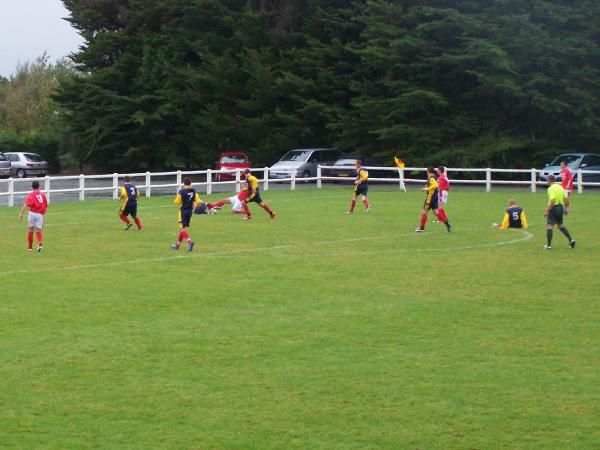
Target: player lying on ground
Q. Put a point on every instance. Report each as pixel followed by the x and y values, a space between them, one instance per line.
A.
pixel 236 202
pixel 514 217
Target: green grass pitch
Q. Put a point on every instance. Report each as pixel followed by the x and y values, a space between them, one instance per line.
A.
pixel 317 330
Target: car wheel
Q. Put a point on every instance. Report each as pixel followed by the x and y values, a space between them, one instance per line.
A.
pixel 20 173
pixel 306 174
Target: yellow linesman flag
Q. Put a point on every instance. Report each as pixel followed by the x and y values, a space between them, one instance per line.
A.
pixel 399 162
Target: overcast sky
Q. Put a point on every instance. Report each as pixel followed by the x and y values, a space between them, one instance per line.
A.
pixel 30 27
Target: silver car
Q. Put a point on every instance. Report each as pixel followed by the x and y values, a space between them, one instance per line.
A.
pixel 23 164
pixel 303 162
pixel 4 166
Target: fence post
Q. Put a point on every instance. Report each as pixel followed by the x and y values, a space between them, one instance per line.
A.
pixel 533 180
pixel 178 181
pixel 11 192
pixel 293 182
pixel 208 181
pixel 148 184
pixel 237 180
pixel 266 179
pixel 488 179
pixel 579 181
pixel 319 182
pixel 401 180
pixel 115 186
pixel 47 187
pixel 81 187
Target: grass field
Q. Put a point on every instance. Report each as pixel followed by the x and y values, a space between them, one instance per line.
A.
pixel 316 330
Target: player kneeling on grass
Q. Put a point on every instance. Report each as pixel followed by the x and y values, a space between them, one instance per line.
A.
pixel 187 199
pixel 361 187
pixel 37 202
pixel 254 196
pixel 236 202
pixel 555 211
pixel 431 203
pixel 514 217
pixel 129 196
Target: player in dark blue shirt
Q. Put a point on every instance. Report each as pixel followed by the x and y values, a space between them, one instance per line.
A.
pixel 187 199
pixel 129 199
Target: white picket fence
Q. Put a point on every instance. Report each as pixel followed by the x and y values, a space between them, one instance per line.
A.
pixel 161 183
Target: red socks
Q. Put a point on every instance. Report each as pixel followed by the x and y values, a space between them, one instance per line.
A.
pixel 38 235
pixel 442 215
pixel 366 203
pixel 30 239
pixel 266 208
pixel 138 223
pixel 352 205
pixel 124 218
pixel 246 209
pixel 217 205
pixel 423 220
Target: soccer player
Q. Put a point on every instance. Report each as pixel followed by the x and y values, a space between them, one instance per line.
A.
pixel 361 187
pixel 129 197
pixel 514 217
pixel 555 211
pixel 37 202
pixel 566 177
pixel 431 203
pixel 443 188
pixel 254 196
pixel 187 199
pixel 236 202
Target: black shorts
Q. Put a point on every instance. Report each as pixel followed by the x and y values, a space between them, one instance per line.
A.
pixel 185 216
pixel 129 209
pixel 555 217
pixel 361 189
pixel 432 203
pixel 255 199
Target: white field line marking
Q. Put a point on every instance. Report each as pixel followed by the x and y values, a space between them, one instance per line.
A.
pixel 526 236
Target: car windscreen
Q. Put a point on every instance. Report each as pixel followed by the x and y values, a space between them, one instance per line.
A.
pixel 233 159
pixel 33 157
pixel 571 160
pixel 296 155
pixel 345 162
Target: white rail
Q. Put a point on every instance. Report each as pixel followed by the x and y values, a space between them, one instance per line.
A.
pixel 82 186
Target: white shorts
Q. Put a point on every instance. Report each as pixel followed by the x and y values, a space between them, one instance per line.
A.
pixel 35 220
pixel 442 198
pixel 236 204
pixel 567 193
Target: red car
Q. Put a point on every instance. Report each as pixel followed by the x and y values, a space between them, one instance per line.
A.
pixel 231 161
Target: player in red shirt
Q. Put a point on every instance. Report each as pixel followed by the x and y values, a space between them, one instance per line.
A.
pixel 37 202
pixel 567 183
pixel 236 202
pixel 443 188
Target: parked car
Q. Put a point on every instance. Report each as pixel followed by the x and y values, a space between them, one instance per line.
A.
pixel 4 166
pixel 231 161
pixel 344 168
pixel 23 164
pixel 303 162
pixel 575 161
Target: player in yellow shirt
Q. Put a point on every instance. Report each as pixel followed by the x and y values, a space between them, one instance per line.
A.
pixel 254 195
pixel 361 187
pixel 555 212
pixel 514 217
pixel 431 203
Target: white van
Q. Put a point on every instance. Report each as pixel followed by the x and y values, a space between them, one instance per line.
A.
pixel 303 162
